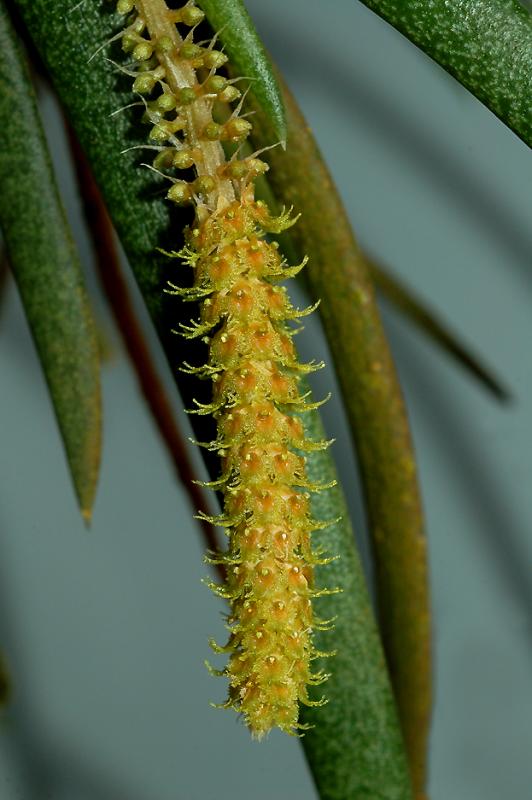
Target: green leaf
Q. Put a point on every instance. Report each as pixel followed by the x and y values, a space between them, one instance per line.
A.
pixel 47 271
pixel 67 34
pixel 338 274
pixel 428 321
pixel 357 732
pixel 484 44
pixel 355 750
pixel 248 57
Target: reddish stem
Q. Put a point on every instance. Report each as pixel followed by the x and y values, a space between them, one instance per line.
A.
pixel 118 296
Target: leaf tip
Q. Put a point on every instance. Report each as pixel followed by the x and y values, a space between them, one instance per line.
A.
pixel 86 515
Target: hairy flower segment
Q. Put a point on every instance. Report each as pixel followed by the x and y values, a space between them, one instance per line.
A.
pixel 246 320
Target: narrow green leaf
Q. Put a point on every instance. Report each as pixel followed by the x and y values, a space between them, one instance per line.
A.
pixel 46 268
pixel 338 274
pixel 248 57
pixel 356 747
pixel 484 44
pixel 428 321
pixel 355 751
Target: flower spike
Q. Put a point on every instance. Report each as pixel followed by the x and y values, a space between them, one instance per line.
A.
pixel 245 318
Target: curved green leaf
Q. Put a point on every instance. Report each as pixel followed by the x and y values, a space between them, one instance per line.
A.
pixel 428 321
pixel 248 56
pixel 484 44
pixel 47 271
pixel 356 748
pixel 338 274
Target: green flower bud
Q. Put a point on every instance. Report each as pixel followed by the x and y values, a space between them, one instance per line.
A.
pixel 160 132
pixel 186 96
pixel 166 102
pixel 142 51
pixel 164 45
pixel 236 129
pixel 125 6
pixel 214 59
pixel 163 160
pixel 191 15
pixel 213 131
pixel 144 83
pixel 204 185
pixel 183 159
pixel 229 94
pixel 189 50
pixel 179 192
pixel 237 169
pixel 214 84
pixel 129 41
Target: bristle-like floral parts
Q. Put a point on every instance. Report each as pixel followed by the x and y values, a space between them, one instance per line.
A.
pixel 245 319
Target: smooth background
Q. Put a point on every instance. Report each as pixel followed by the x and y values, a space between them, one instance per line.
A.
pixel 106 631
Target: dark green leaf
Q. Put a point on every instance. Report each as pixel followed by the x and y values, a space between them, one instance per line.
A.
pixel 45 265
pixel 248 56
pixel 485 44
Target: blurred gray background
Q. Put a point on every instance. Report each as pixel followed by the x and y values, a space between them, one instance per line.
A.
pixel 106 631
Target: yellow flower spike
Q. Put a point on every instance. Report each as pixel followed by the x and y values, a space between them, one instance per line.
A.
pixel 245 321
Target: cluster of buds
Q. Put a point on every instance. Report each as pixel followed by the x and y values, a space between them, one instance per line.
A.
pixel 246 319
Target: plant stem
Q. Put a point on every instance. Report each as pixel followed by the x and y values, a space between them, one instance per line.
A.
pixel 121 306
pixel 180 75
